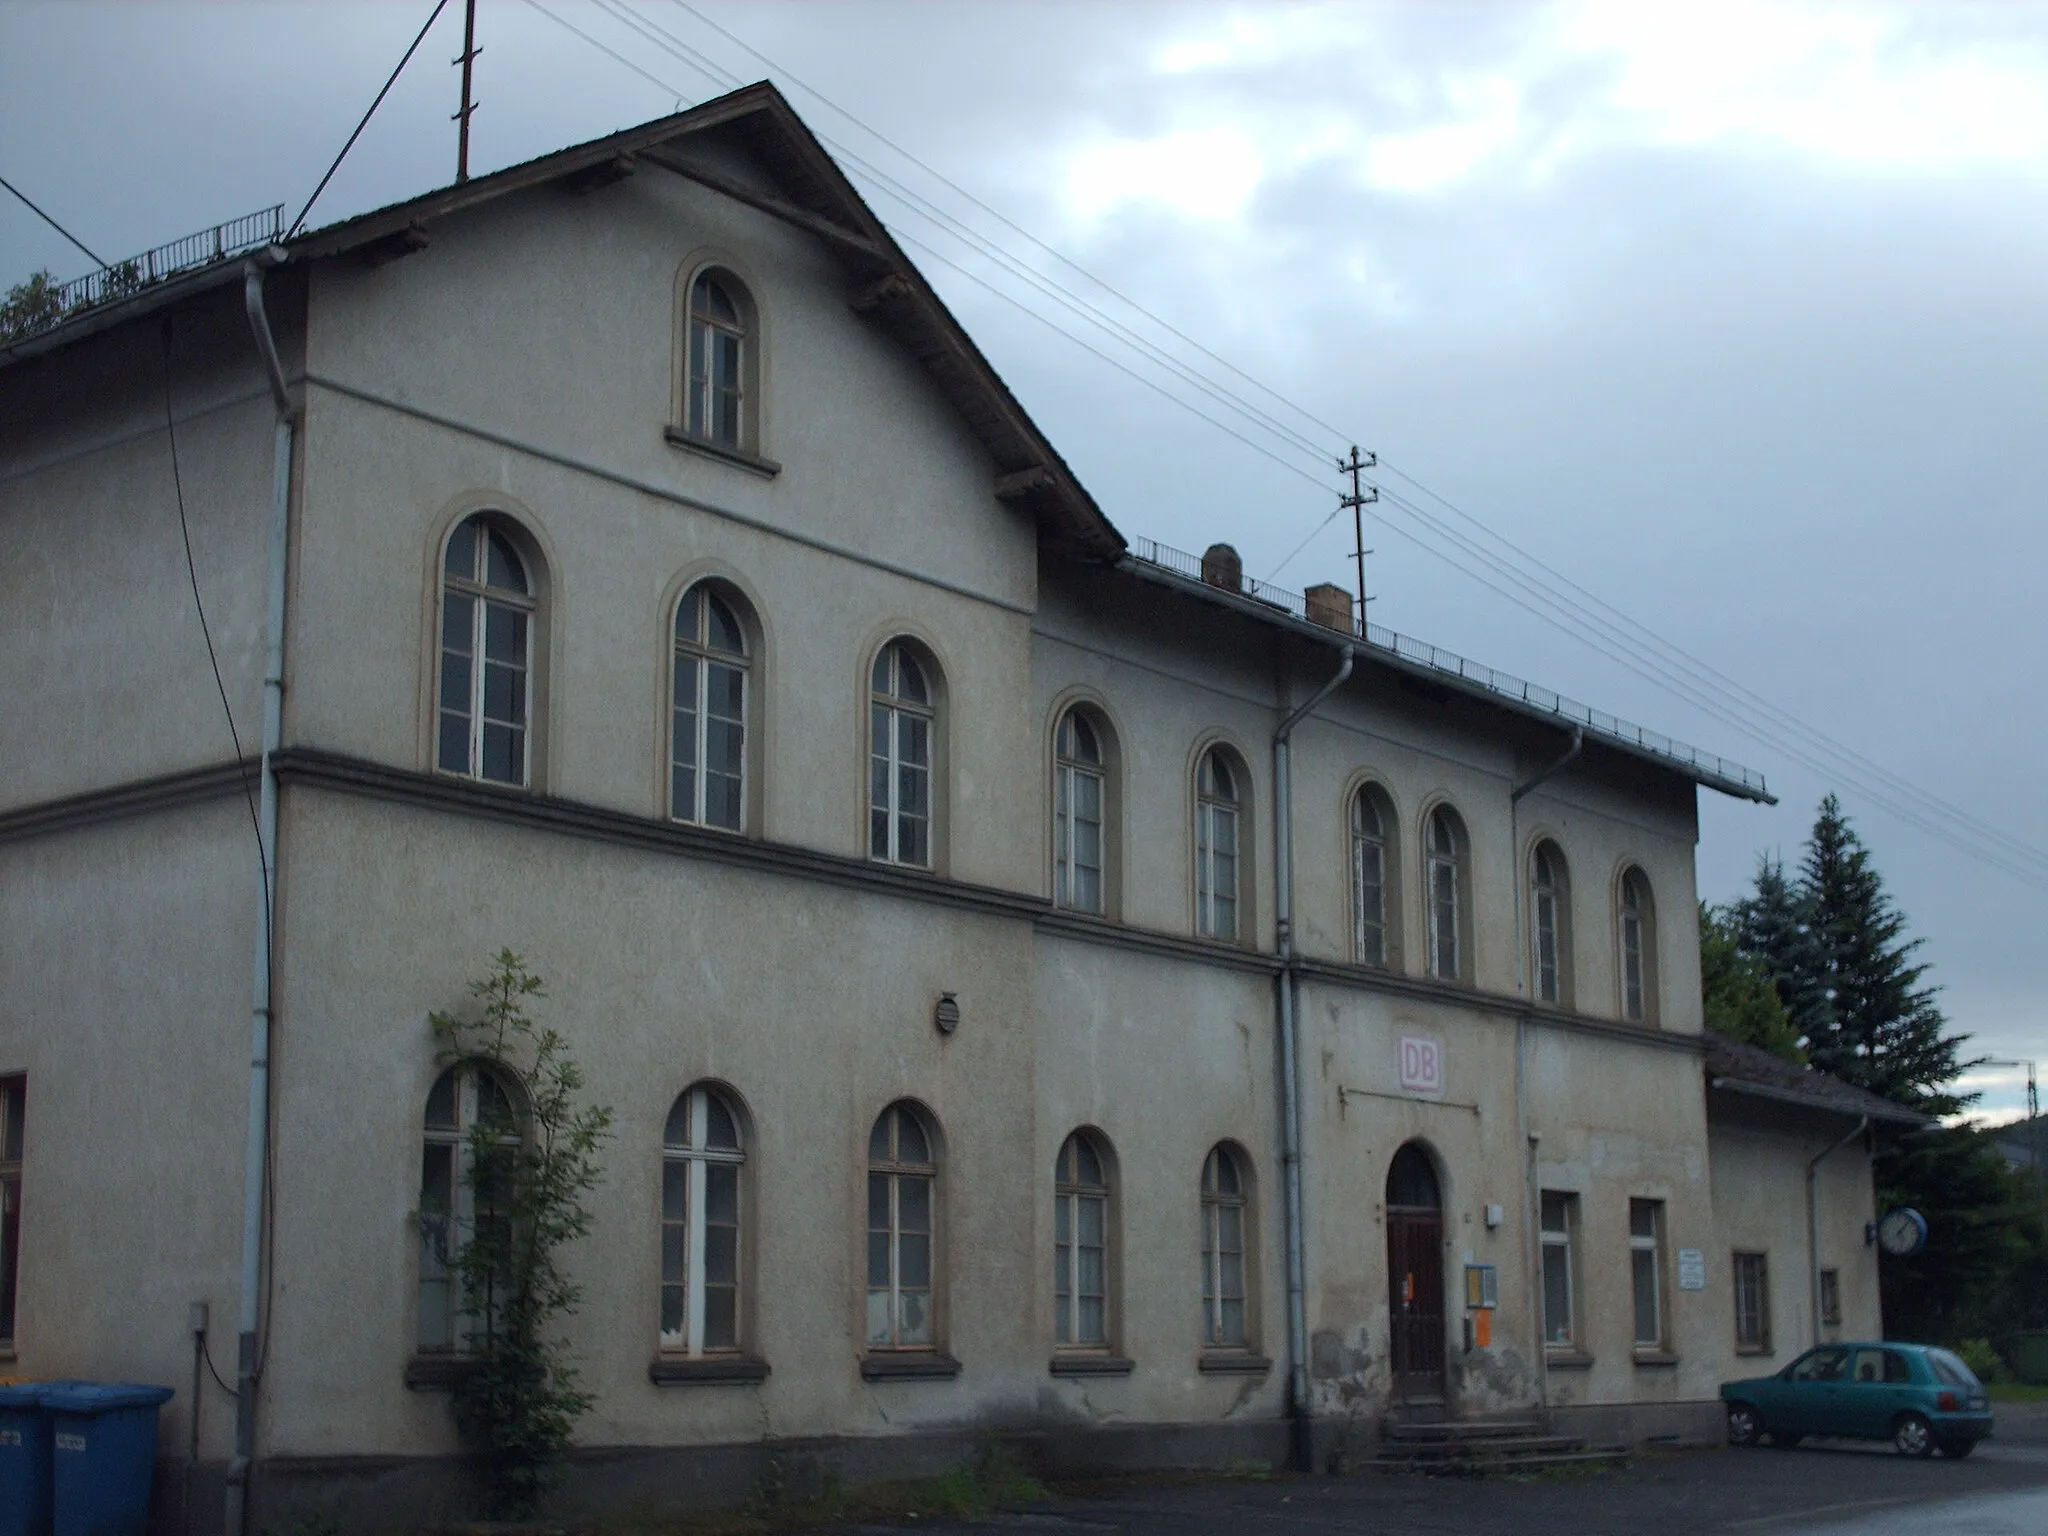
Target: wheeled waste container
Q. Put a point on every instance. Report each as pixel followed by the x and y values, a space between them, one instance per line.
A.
pixel 24 1462
pixel 102 1456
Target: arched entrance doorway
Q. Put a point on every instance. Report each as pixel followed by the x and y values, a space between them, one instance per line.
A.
pixel 1415 1276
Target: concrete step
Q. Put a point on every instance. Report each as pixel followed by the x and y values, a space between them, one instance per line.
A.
pixel 1488 1466
pixel 1490 1449
pixel 1459 1431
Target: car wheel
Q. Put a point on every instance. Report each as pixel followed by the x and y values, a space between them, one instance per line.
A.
pixel 1913 1436
pixel 1956 1450
pixel 1785 1442
pixel 1744 1427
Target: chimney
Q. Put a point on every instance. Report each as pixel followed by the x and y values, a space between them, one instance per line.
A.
pixel 1330 606
pixel 1221 567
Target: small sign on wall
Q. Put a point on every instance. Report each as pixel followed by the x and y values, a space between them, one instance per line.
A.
pixel 1422 1065
pixel 1692 1270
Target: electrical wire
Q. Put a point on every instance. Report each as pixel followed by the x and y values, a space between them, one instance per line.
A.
pixel 293 229
pixel 32 208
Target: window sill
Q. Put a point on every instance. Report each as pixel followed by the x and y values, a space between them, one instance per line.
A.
pixel 909 1366
pixel 1232 1363
pixel 1655 1357
pixel 767 469
pixel 1752 1349
pixel 1092 1365
pixel 705 1370
pixel 437 1373
pixel 1567 1360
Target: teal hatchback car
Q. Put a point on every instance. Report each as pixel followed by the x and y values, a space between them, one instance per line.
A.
pixel 1920 1398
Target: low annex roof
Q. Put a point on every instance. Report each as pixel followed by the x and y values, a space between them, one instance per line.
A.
pixel 1744 1069
pixel 813 194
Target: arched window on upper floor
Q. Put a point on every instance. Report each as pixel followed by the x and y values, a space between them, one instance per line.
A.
pixel 708 711
pixel 1637 943
pixel 902 741
pixel 1448 891
pixel 485 689
pixel 1080 773
pixel 1217 867
pixel 1375 878
pixel 1550 930
pixel 716 406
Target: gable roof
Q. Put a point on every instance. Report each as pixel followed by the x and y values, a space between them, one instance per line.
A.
pixel 1748 1070
pixel 814 195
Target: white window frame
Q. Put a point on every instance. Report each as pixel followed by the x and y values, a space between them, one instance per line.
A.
pixel 696 1158
pixel 1370 939
pixel 437 1266
pixel 1444 893
pixel 698 656
pixel 1073 774
pixel 1073 1199
pixel 484 599
pixel 701 391
pixel 1647 1249
pixel 1637 933
pixel 1561 1239
pixel 899 1173
pixel 1549 931
pixel 1217 1292
pixel 1218 912
pixel 892 720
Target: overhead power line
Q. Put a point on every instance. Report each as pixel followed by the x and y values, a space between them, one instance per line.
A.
pixel 32 208
pixel 1295 438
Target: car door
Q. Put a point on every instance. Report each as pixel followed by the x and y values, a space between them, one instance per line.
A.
pixel 1813 1393
pixel 1867 1399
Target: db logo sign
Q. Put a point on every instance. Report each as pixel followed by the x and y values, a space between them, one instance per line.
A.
pixel 1422 1065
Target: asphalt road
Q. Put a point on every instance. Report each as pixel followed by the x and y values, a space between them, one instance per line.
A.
pixel 1831 1487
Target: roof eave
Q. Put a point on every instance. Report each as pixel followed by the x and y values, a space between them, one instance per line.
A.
pixel 1894 1114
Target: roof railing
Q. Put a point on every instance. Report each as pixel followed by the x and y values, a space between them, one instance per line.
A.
pixel 42 308
pixel 1437 659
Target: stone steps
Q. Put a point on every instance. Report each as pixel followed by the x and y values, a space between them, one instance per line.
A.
pixel 1479 1447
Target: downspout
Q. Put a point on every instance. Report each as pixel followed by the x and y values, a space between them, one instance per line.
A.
pixel 1813 1219
pixel 1531 1248
pixel 257 1147
pixel 1289 983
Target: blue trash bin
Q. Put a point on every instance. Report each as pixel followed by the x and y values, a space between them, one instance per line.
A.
pixel 102 1456
pixel 24 1462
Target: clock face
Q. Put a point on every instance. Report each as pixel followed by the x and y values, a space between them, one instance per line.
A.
pixel 1901 1232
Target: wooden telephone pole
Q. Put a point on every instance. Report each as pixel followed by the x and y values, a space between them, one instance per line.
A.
pixel 467 58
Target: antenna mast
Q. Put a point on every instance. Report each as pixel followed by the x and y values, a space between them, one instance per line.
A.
pixel 468 57
pixel 1361 497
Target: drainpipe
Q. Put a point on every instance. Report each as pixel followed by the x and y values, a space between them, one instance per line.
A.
pixel 1532 1249
pixel 1813 1219
pixel 257 1147
pixel 1289 985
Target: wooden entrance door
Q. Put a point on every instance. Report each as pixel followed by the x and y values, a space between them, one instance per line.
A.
pixel 1415 1277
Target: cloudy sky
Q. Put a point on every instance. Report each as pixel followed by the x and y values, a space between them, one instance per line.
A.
pixel 1731 316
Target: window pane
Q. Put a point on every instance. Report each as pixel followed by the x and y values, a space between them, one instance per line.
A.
pixel 721 1255
pixel 1557 1294
pixel 720 1129
pixel 1649 1324
pixel 506 570
pixel 437 1323
pixel 722 1193
pixel 1553 1212
pixel 914 1204
pixel 504 754
pixel 675 1190
pixel 878 1259
pixel 686 692
pixel 1232 1331
pixel 1092 1272
pixel 910 678
pixel 917 1318
pixel 914 1260
pixel 504 633
pixel 1092 1224
pixel 1642 1218
pixel 878 1200
pixel 879 1320
pixel 725 417
pixel 504 693
pixel 1094 1322
pixel 458 620
pixel 453 753
pixel 672 1259
pixel 721 1317
pixel 672 1313
pixel 911 1144
pixel 1063 1220
pixel 461 558
pixel 878 675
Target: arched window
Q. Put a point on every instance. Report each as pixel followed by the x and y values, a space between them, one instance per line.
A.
pixel 1446 894
pixel 903 1177
pixel 1216 872
pixel 456 1206
pixel 1080 1267
pixel 1550 942
pixel 1371 873
pixel 708 723
pixel 1638 943
pixel 702 1158
pixel 716 402
pixel 485 701
pixel 1077 814
pixel 901 723
pixel 1225 1214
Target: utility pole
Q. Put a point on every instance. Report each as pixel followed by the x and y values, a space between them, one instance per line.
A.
pixel 2033 1088
pixel 1361 497
pixel 468 57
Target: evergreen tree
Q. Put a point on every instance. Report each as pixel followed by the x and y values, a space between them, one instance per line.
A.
pixel 1881 1029
pixel 1774 929
pixel 1736 989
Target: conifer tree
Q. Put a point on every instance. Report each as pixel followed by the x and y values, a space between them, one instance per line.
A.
pixel 1774 929
pixel 1736 991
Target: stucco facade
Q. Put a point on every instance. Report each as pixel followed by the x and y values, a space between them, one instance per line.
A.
pixel 523 358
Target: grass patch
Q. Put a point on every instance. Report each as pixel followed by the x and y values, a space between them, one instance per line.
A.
pixel 996 1478
pixel 2016 1392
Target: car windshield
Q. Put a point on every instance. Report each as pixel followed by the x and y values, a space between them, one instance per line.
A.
pixel 1952 1371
